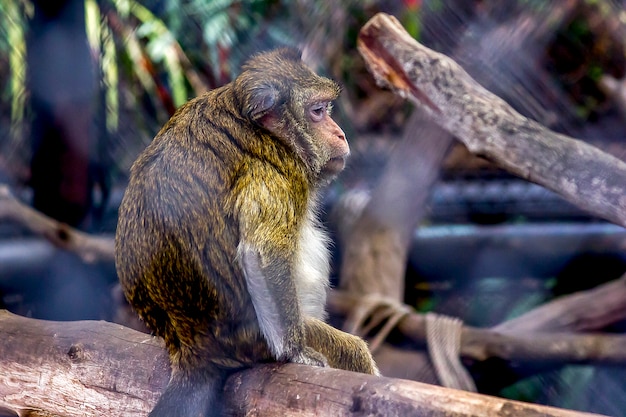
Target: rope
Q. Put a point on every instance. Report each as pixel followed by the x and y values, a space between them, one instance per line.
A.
pixel 443 335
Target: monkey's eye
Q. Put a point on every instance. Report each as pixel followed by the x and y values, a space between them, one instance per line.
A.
pixel 318 111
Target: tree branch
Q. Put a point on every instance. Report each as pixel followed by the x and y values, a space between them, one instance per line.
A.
pixel 375 248
pixel 89 248
pixel 581 173
pixel 520 344
pixel 588 310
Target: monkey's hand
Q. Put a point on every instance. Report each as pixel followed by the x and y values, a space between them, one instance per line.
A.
pixel 309 356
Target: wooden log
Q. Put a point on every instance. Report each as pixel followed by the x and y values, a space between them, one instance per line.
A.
pixel 296 390
pixel 94 369
pixel 81 368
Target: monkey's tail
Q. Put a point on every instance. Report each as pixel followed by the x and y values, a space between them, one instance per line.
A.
pixel 192 394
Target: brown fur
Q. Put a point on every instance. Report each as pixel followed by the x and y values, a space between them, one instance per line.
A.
pixel 218 203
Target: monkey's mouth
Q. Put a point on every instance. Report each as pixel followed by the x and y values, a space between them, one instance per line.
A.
pixel 335 165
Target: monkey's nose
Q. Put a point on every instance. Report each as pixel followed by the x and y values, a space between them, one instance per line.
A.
pixel 341 135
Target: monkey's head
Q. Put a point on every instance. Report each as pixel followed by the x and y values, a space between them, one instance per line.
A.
pixel 278 93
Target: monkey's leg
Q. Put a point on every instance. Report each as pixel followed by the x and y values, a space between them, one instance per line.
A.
pixel 342 350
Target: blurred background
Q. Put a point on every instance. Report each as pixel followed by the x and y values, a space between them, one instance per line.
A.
pixel 86 84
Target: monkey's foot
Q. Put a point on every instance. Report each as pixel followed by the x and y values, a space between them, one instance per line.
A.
pixel 310 356
pixel 371 311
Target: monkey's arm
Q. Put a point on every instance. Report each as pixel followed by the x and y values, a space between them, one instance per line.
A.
pixel 270 209
pixel 339 349
pixel 273 293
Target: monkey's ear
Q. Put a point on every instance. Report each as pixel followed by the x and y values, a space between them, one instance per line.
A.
pixel 260 101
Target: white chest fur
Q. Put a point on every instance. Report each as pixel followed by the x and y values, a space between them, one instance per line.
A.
pixel 312 268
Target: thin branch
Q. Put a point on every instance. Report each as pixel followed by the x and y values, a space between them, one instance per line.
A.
pixel 582 311
pixel 526 343
pixel 89 248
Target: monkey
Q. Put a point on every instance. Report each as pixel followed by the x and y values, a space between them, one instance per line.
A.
pixel 219 246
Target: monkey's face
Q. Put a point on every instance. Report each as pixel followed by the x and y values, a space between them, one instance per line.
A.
pixel 279 93
pixel 330 136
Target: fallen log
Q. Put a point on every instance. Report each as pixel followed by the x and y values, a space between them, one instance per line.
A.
pixel 95 368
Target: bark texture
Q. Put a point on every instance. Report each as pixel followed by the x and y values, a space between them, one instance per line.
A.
pixel 488 126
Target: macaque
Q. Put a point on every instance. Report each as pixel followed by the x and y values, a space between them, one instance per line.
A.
pixel 219 248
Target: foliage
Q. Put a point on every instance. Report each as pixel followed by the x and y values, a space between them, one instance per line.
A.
pixel 13 15
pixel 152 56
